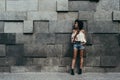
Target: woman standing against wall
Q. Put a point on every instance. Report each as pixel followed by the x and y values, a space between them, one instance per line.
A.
pixel 78 39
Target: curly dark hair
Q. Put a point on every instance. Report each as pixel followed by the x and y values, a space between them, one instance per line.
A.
pixel 80 24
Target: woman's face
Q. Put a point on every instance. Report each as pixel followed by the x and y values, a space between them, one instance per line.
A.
pixel 76 24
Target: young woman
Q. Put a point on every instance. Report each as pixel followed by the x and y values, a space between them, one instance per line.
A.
pixel 78 39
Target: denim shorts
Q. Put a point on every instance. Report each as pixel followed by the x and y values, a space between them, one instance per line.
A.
pixel 78 46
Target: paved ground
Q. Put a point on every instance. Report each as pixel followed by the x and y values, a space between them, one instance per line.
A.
pixel 59 76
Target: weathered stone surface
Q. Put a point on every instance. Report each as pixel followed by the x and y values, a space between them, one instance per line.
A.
pixel 103 16
pixel 4 69
pixel 24 39
pixel 67 16
pixel 28 27
pixel 2 50
pixel 35 50
pixel 46 15
pixel 45 7
pixel 108 5
pixel 63 38
pixel 93 69
pixel 22 5
pixel 13 27
pixel 1 27
pixel 53 69
pixel 67 50
pixel 92 61
pixel 28 61
pixel 108 61
pixel 3 62
pixel 13 15
pixel 103 27
pixel 16 52
pixel 82 6
pixel 62 26
pixel 116 15
pixel 2 5
pixel 89 39
pixel 41 27
pixel 86 15
pixel 7 38
pixel 62 5
pixel 65 61
pixel 21 69
pixel 45 38
pixel 54 50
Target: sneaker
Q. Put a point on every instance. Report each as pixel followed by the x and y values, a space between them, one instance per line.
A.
pixel 80 71
pixel 72 72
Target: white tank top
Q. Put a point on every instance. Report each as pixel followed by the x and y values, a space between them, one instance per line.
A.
pixel 80 37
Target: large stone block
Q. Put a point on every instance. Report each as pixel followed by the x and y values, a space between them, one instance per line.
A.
pixel 103 27
pixel 43 5
pixel 82 6
pixel 13 27
pixel 13 15
pixel 65 61
pixel 2 5
pixel 108 61
pixel 28 27
pixel 116 15
pixel 41 27
pixel 54 50
pixel 35 50
pixel 22 69
pixel 2 50
pixel 46 15
pixel 22 5
pixel 62 5
pixel 7 38
pixel 1 27
pixel 4 69
pixel 45 38
pixel 86 15
pixel 94 69
pixel 89 39
pixel 24 39
pixel 108 5
pixel 3 62
pixel 62 26
pixel 63 38
pixel 92 61
pixel 68 16
pixel 67 50
pixel 16 52
pixel 103 16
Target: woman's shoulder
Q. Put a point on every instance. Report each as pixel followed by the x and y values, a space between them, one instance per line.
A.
pixel 73 30
pixel 83 30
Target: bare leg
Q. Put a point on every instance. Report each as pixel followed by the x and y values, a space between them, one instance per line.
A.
pixel 81 58
pixel 74 58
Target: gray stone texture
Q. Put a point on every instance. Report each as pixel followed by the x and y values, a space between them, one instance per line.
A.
pixel 108 5
pixel 11 15
pixel 108 61
pixel 45 15
pixel 13 27
pixel 16 52
pixel 103 27
pixel 1 27
pixel 62 26
pixel 82 6
pixel 115 15
pixel 22 5
pixel 41 27
pixel 28 27
pixel 7 38
pixel 62 5
pixel 67 16
pixel 45 7
pixel 2 50
pixel 2 5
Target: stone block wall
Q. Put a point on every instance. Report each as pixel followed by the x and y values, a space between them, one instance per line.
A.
pixel 35 35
